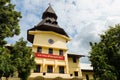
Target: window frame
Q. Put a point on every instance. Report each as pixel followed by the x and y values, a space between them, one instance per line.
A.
pixel 61 52
pixel 39 49
pixel 37 70
pixel 74 60
pixel 49 69
pixel 61 69
pixel 87 77
pixel 75 73
pixel 50 51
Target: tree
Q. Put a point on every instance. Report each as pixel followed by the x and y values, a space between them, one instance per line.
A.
pixel 105 55
pixel 18 58
pixel 23 59
pixel 6 66
pixel 9 19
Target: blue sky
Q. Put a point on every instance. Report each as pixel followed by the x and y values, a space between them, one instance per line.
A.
pixel 83 20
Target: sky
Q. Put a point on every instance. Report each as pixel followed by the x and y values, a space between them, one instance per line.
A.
pixel 83 20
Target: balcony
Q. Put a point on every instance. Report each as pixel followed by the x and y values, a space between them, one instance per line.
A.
pixel 51 75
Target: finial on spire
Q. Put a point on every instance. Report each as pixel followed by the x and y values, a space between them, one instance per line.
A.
pixel 49 12
pixel 49 4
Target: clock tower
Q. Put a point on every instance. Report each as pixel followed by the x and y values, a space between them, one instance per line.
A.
pixel 49 45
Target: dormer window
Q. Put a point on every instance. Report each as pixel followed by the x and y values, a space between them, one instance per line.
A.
pixel 55 22
pixel 48 21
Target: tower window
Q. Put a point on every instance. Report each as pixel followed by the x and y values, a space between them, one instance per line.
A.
pixel 48 21
pixel 74 60
pixel 55 22
pixel 61 69
pixel 37 70
pixel 50 69
pixel 75 73
pixel 50 51
pixel 61 52
pixel 39 49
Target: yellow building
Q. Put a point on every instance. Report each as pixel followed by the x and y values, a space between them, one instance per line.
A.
pixel 49 45
pixel 87 71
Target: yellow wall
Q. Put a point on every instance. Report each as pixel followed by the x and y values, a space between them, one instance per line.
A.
pixel 41 40
pixel 55 63
pixel 89 73
pixel 74 66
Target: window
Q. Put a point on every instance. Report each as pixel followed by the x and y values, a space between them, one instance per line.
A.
pixel 48 21
pixel 87 77
pixel 74 60
pixel 61 52
pixel 50 69
pixel 75 73
pixel 37 70
pixel 61 69
pixel 39 49
pixel 50 51
pixel 55 22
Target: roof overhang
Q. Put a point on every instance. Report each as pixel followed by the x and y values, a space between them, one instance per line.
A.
pixel 75 55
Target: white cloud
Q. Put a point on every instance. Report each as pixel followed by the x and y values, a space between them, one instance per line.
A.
pixel 113 20
pixel 83 20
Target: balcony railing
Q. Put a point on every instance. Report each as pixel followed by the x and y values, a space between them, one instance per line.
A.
pixel 51 75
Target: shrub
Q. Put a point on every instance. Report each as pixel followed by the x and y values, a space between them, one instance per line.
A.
pixel 58 78
pixel 76 78
pixel 39 78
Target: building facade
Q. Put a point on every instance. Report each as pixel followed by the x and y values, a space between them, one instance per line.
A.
pixel 87 72
pixel 51 54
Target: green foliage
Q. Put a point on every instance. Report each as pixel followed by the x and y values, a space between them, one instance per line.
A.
pixel 58 78
pixel 39 78
pixel 105 55
pixel 6 64
pixel 23 59
pixel 19 57
pixel 9 19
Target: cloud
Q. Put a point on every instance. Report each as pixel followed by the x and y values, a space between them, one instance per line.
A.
pixel 83 20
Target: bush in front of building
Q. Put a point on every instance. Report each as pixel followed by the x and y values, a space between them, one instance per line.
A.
pixel 75 78
pixel 58 78
pixel 39 78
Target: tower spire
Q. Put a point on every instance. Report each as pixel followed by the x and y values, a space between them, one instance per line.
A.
pixel 48 23
pixel 49 12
